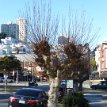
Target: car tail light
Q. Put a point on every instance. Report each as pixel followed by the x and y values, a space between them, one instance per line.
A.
pixel 12 99
pixel 33 102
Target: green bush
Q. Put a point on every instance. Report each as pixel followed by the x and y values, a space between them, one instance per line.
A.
pixel 74 99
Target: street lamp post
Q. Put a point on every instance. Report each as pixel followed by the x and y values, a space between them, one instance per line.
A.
pixel 17 77
pixel 31 70
pixel 5 77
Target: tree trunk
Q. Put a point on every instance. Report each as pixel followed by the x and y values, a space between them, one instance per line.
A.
pixel 80 86
pixel 53 93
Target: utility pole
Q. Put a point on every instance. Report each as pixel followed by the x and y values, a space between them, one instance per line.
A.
pixel 17 77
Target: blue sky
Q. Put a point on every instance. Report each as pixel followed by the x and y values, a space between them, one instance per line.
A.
pixel 10 10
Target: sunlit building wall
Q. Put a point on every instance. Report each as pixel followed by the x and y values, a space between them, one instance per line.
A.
pixel 22 29
pixel 101 59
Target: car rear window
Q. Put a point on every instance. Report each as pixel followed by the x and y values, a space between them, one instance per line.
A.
pixel 32 93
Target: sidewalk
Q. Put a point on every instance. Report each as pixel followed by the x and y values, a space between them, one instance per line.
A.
pixel 24 83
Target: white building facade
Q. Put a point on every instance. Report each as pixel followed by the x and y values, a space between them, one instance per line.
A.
pixel 23 52
pixel 10 45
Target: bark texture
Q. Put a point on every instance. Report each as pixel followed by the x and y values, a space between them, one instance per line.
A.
pixel 53 93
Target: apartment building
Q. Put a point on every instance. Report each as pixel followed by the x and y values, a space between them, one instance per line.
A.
pixel 101 59
pixel 12 30
pixel 22 29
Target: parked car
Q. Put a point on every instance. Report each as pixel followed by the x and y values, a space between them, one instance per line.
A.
pixel 101 85
pixel 28 97
pixel 9 80
pixel 32 84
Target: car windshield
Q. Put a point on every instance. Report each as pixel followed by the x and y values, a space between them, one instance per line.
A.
pixel 32 93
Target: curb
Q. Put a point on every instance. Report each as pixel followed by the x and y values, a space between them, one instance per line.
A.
pixel 23 84
pixel 6 92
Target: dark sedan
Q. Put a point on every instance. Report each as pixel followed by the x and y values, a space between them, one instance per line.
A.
pixel 102 85
pixel 28 97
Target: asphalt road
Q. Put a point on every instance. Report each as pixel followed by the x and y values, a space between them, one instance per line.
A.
pixel 96 98
pixel 4 102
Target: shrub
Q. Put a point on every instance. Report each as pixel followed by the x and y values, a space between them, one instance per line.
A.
pixel 75 99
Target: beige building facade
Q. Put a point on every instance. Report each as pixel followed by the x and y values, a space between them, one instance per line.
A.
pixel 22 29
pixel 101 59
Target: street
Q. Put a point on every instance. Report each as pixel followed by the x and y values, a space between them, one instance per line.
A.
pixel 96 98
pixel 4 99
pixel 4 102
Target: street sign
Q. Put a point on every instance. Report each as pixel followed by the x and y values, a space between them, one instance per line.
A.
pixel 69 83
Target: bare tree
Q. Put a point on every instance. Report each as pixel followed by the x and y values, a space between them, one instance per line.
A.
pixel 65 62
pixel 81 39
pixel 43 29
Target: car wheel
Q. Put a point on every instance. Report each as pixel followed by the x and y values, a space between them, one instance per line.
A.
pixel 11 81
pixel 94 88
pixel 1 81
pixel 36 84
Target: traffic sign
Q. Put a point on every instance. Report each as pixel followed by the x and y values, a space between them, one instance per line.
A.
pixel 69 83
